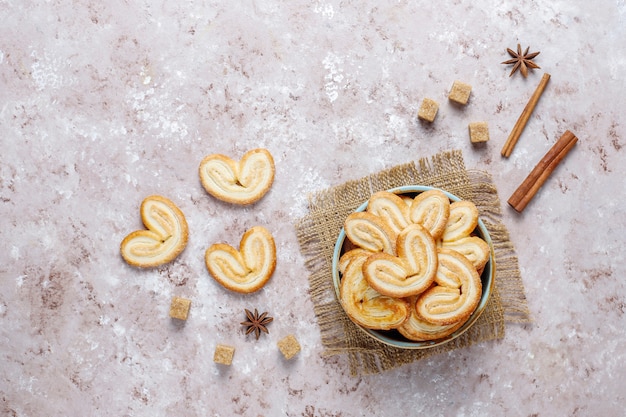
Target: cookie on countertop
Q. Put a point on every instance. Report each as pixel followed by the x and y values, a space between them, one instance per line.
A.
pixel 164 238
pixel 245 270
pixel 238 182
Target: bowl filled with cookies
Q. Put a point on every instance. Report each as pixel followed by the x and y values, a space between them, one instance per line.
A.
pixel 414 266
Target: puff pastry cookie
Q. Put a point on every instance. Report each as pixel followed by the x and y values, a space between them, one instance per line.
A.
pixel 364 305
pixel 370 232
pixel 245 270
pixel 418 329
pixel 457 294
pixel 242 182
pixel 462 221
pixel 419 252
pixel 391 208
pixel 409 273
pixel 475 249
pixel 348 256
pixel 163 240
pixel 431 209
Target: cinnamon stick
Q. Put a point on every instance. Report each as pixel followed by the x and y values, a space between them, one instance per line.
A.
pixel 523 118
pixel 527 190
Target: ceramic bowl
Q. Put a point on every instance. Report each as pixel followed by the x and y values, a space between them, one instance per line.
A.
pixel 393 337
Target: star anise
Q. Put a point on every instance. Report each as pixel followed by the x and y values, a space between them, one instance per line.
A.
pixel 256 323
pixel 522 61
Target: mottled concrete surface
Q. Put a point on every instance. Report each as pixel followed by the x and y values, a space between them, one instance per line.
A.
pixel 104 103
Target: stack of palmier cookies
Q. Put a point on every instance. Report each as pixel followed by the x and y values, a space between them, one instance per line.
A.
pixel 412 264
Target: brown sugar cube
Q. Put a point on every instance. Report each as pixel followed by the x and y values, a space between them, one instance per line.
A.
pixel 179 309
pixel 289 346
pixel 224 354
pixel 460 92
pixel 428 110
pixel 479 132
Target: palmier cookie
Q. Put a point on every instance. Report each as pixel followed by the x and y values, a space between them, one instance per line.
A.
pixel 418 329
pixel 163 240
pixel 349 256
pixel 457 294
pixel 409 273
pixel 391 208
pixel 370 232
pixel 243 182
pixel 431 209
pixel 367 307
pixel 462 221
pixel 475 249
pixel 245 270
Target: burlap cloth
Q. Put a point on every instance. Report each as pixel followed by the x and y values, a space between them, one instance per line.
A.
pixel 317 233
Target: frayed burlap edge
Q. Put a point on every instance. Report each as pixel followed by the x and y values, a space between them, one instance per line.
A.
pixel 317 233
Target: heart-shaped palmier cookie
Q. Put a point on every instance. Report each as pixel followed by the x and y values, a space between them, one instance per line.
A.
pixel 391 208
pixel 431 209
pixel 349 256
pixel 243 182
pixel 245 270
pixel 418 329
pixel 457 294
pixel 475 249
pixel 409 273
pixel 462 221
pixel 165 238
pixel 370 232
pixel 364 305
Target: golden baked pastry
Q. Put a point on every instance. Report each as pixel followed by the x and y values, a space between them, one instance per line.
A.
pixel 370 232
pixel 457 294
pixel 429 261
pixel 408 200
pixel 409 273
pixel 348 256
pixel 245 270
pixel 391 208
pixel 243 182
pixel 165 238
pixel 431 209
pixel 475 249
pixel 367 307
pixel 462 221
pixel 418 329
